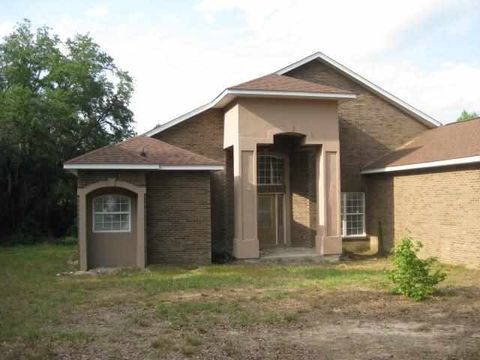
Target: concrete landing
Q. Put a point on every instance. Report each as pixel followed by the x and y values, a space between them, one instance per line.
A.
pixel 292 255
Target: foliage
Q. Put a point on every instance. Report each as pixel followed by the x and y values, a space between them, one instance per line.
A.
pixel 57 100
pixel 465 115
pixel 412 276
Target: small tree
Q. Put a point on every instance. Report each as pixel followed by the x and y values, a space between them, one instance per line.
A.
pixel 465 115
pixel 412 276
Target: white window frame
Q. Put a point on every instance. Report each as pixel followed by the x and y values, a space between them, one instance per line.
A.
pixel 344 216
pixel 129 213
pixel 279 157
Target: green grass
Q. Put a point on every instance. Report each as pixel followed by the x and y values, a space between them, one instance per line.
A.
pixel 34 297
pixel 35 302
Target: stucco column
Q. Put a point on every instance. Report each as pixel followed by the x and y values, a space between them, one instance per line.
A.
pixel 245 242
pixel 328 240
pixel 141 244
pixel 82 229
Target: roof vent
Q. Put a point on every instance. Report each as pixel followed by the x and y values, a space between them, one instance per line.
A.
pixel 143 152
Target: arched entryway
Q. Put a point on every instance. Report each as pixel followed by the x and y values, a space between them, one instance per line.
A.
pixel 286 192
pixel 111 228
pixel 111 224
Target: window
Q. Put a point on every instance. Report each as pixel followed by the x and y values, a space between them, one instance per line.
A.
pixel 353 214
pixel 270 170
pixel 111 213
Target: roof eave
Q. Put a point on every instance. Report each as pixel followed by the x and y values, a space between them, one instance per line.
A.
pixel 423 165
pixel 168 167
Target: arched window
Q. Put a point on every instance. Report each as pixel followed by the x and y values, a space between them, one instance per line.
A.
pixel 111 213
pixel 270 170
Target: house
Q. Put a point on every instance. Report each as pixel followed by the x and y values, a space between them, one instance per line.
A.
pixel 312 156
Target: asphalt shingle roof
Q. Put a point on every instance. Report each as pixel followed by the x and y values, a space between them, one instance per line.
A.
pixel 275 82
pixel 452 141
pixel 142 150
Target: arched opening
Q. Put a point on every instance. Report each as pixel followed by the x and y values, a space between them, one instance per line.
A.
pixel 286 194
pixel 111 228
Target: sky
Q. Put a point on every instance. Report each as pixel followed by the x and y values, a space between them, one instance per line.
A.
pixel 182 54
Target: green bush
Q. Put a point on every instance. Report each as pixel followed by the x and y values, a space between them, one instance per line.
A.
pixel 411 276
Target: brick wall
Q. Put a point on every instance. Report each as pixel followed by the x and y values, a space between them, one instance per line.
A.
pixel 379 211
pixel 203 134
pixel 369 126
pixel 178 217
pixel 303 198
pixel 88 177
pixel 439 207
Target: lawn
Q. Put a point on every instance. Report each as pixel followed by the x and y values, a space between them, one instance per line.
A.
pixel 340 311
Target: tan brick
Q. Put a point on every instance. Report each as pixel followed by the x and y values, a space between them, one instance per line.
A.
pixel 178 217
pixel 370 127
pixel 439 207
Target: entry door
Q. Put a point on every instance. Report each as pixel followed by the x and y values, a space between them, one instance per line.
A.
pixel 271 229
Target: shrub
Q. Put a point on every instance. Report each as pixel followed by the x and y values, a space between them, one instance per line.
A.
pixel 411 276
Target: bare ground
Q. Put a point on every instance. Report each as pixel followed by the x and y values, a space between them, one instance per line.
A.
pixel 246 322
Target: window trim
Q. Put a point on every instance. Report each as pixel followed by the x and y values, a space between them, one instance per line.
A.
pixel 344 222
pixel 275 156
pixel 94 230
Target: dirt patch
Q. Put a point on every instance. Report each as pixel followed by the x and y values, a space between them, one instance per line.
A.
pixel 338 311
pixel 328 325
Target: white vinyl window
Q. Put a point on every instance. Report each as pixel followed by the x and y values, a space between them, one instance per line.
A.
pixel 111 213
pixel 353 214
pixel 270 170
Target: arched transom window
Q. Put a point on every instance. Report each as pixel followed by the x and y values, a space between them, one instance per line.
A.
pixel 270 170
pixel 111 213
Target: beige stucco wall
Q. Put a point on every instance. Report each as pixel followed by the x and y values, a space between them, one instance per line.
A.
pixel 95 253
pixel 107 249
pixel 261 119
pixel 254 121
pixel 439 207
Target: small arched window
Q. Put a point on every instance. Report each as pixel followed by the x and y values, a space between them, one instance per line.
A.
pixel 111 213
pixel 270 170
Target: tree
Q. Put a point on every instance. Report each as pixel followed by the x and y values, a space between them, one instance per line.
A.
pixel 57 100
pixel 465 115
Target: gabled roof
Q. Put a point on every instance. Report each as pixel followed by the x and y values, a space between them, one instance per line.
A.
pixel 275 82
pixel 402 105
pixel 142 152
pixel 452 144
pixel 272 85
pixel 286 86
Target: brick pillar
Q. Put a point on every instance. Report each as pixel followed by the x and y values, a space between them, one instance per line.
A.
pixel 328 240
pixel 245 242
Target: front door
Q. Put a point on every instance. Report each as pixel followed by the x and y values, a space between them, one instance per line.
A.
pixel 271 229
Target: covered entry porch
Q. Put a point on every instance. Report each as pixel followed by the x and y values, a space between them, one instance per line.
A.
pixel 286 175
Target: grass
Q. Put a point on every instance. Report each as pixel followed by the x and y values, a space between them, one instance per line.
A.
pixel 33 296
pixel 170 309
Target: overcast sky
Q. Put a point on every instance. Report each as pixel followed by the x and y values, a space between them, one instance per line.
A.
pixel 183 53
